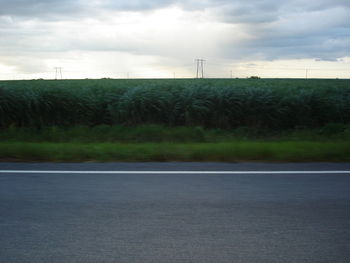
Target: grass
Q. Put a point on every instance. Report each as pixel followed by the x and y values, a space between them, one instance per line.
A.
pixel 161 143
pixel 160 133
pixel 106 133
pixel 282 151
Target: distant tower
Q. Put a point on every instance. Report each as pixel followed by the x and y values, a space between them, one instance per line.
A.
pixel 200 68
pixel 58 72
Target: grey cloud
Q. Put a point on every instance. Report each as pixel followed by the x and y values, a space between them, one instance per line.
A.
pixel 318 29
pixel 248 12
pixel 40 8
pixel 134 5
pixel 60 9
pixel 330 44
pixel 277 29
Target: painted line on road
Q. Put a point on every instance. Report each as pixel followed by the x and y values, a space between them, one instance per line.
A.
pixel 168 172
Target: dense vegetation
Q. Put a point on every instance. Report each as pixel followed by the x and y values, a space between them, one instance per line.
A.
pixel 227 104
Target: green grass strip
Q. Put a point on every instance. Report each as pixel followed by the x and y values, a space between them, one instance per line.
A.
pixel 286 151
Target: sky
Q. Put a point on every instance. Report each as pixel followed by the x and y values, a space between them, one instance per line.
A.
pixel 162 38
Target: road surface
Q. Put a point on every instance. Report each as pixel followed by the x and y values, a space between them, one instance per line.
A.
pixel 99 213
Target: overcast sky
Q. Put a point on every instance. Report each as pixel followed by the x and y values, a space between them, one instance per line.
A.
pixel 161 38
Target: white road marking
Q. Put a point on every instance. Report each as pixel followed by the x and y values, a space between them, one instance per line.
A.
pixel 168 172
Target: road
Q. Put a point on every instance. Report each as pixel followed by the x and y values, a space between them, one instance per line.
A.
pixel 174 217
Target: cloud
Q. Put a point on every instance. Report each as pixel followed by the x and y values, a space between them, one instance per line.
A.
pixel 174 30
pixel 318 33
pixel 41 8
pixel 134 5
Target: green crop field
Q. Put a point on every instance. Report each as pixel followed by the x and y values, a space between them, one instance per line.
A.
pixel 211 103
pixel 182 119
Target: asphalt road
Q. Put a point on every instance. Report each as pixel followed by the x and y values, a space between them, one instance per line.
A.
pixel 117 218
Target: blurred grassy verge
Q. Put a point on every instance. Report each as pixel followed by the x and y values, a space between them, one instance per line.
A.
pixel 159 133
pixel 286 151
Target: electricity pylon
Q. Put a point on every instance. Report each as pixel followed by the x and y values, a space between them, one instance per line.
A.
pixel 58 72
pixel 200 68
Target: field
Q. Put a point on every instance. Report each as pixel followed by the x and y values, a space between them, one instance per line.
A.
pixel 214 103
pixel 257 119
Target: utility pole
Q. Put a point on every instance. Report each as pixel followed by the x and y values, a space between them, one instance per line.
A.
pixel 200 68
pixel 231 73
pixel 306 73
pixel 58 72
